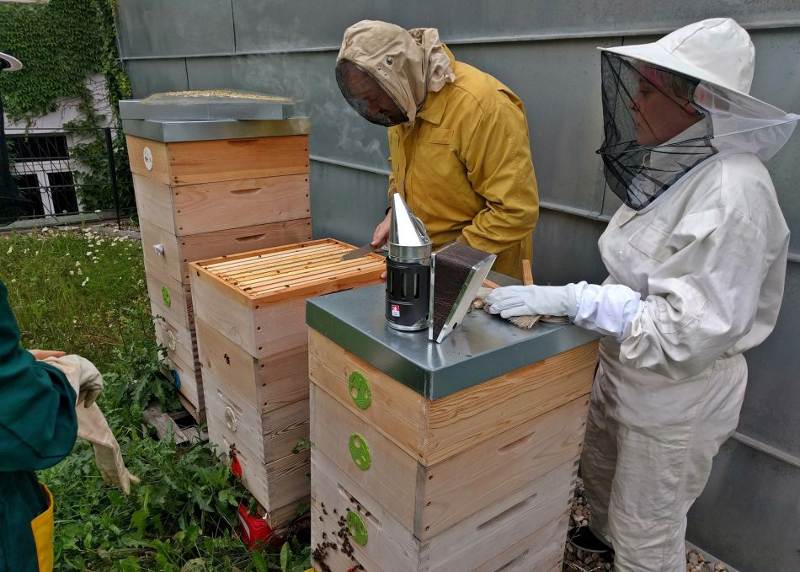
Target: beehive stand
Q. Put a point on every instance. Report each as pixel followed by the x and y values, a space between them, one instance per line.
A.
pixel 253 346
pixel 454 456
pixel 209 185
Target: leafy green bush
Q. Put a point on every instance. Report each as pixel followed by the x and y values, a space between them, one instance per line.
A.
pixel 85 293
pixel 61 44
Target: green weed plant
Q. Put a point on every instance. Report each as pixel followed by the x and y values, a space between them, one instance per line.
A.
pixel 84 292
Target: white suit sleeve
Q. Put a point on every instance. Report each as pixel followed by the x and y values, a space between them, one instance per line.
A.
pixel 608 309
pixel 702 299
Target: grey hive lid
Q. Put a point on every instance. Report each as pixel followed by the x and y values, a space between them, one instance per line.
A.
pixel 204 105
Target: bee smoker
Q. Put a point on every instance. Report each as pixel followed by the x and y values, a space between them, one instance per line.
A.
pixel 408 269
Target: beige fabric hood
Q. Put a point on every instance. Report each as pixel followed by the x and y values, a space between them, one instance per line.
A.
pixel 406 63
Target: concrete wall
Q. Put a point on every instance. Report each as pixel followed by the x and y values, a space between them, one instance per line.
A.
pixel 545 51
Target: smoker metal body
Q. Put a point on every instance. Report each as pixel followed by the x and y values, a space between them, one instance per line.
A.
pixel 407 270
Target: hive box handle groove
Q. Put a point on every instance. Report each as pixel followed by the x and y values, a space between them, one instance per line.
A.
pixel 363 512
pixel 508 512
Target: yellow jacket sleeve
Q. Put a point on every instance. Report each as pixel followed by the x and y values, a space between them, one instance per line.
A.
pixel 499 167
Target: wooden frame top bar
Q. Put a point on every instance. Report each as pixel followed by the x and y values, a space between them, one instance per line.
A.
pixel 289 271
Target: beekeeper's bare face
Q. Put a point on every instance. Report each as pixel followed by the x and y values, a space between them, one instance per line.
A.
pixel 366 96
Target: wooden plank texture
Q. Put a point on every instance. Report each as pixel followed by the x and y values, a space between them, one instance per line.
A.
pixel 393 475
pixel 252 327
pixel 230 315
pixel 269 383
pixel 154 202
pixel 277 485
pixel 191 384
pixel 306 269
pixel 169 298
pixel 162 251
pixel 224 205
pixel 541 551
pixel 230 241
pixel 178 341
pixel 432 431
pixel 463 419
pixel 159 170
pixel 250 321
pixel 269 436
pixel 176 252
pixel 488 540
pixel 429 500
pixel 230 159
pixel 491 470
pixel 398 411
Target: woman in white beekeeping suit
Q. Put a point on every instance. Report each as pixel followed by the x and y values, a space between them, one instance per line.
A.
pixel 696 258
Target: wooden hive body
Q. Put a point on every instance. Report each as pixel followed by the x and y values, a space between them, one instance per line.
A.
pixel 476 480
pixel 201 199
pixel 253 348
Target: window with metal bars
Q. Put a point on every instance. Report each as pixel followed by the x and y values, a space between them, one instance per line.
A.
pixel 38 147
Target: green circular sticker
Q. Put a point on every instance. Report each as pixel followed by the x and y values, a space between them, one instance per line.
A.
pixel 359 451
pixel 358 386
pixel 166 296
pixel 357 528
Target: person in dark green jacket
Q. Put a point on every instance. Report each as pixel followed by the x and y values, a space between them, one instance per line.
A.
pixel 38 427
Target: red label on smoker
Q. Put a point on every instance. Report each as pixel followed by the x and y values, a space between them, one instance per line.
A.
pixel 396 310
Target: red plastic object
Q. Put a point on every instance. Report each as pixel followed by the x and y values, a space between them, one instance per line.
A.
pixel 236 466
pixel 253 530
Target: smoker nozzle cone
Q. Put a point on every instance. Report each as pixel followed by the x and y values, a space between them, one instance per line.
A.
pixel 408 239
pixel 406 229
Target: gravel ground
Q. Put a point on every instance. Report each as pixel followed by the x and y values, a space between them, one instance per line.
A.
pixel 580 561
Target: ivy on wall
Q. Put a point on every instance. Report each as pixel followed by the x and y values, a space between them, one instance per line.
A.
pixel 61 44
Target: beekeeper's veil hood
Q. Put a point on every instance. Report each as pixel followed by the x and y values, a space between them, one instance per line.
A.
pixel 671 104
pixel 406 64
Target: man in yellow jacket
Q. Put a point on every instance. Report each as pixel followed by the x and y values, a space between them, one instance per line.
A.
pixel 458 139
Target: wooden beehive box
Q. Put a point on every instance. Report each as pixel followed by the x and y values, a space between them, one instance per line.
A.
pixel 477 479
pixel 252 341
pixel 207 189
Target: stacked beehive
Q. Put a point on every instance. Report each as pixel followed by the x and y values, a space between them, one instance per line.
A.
pixel 477 479
pixel 205 189
pixel 250 315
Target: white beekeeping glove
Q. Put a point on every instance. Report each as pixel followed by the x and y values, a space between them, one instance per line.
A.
pixel 513 301
pixel 87 382
pixel 82 375
pixel 608 309
pixel 93 427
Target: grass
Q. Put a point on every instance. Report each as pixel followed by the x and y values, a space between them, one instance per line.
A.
pixel 84 293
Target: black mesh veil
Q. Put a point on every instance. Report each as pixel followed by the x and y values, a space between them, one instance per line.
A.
pixel 654 131
pixel 365 94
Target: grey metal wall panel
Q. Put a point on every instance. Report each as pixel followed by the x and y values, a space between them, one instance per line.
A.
pixel 565 249
pixel 153 76
pixel 174 27
pixel 770 411
pixel 346 204
pixel 750 511
pixel 777 81
pixel 278 25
